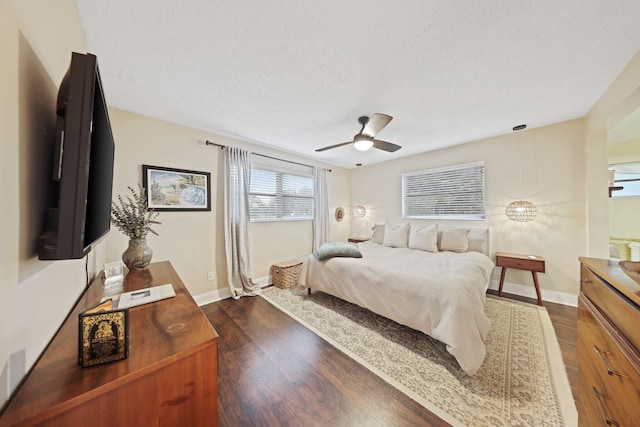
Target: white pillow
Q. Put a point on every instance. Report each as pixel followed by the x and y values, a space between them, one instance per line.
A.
pixel 396 236
pixel 378 233
pixel 456 240
pixel 424 238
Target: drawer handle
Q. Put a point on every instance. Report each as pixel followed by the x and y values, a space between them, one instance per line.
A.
pixel 601 353
pixel 585 281
pixel 608 420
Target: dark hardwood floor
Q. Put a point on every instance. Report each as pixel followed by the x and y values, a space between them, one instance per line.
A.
pixel 275 372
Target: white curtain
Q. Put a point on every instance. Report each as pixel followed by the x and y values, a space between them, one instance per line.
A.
pixel 321 211
pixel 237 177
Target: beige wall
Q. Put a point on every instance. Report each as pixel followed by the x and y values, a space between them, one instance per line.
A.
pixel 553 178
pixel 36 40
pixel 194 241
pixel 623 214
pixel 627 152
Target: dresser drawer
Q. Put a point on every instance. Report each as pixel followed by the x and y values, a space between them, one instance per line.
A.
pixel 620 311
pixel 520 263
pixel 609 382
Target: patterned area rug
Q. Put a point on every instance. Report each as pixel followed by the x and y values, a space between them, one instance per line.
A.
pixel 522 382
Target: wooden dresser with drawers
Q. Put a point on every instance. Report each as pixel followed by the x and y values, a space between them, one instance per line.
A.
pixel 169 379
pixel 608 345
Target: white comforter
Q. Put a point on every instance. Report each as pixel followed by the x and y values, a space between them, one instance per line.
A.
pixel 441 294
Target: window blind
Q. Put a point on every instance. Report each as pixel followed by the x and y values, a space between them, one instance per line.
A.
pixel 279 196
pixel 453 192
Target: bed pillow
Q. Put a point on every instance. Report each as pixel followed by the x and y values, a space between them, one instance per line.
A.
pixel 336 249
pixel 479 240
pixel 396 235
pixel 456 240
pixel 424 238
pixel 378 233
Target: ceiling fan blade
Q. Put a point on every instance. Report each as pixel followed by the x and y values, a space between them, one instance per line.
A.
pixel 386 146
pixel 333 146
pixel 376 123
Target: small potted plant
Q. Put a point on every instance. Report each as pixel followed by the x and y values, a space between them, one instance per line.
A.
pixel 133 217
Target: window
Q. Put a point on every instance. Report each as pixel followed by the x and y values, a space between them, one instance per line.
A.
pixel 453 192
pixel 626 179
pixel 279 196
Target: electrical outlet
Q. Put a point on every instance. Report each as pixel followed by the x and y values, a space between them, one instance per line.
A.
pixel 210 275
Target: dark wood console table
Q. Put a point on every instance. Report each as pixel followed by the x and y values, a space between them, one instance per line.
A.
pixel 169 379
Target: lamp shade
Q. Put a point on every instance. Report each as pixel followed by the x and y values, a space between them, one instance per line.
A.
pixel 521 211
pixel 362 142
pixel 359 211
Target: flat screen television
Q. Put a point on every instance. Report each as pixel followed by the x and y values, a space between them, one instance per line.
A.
pixel 82 165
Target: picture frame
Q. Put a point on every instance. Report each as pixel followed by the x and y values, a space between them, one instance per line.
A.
pixel 113 269
pixel 170 189
pixel 113 274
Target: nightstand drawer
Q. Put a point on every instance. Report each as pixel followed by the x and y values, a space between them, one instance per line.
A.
pixel 520 263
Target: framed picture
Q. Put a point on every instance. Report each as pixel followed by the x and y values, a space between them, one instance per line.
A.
pixel 113 274
pixel 171 189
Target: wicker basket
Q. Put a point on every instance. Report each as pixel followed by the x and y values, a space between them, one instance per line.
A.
pixel 285 274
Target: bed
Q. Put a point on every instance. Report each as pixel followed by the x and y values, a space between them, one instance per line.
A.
pixel 441 294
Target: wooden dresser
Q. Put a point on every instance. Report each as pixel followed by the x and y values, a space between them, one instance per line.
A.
pixel 608 345
pixel 169 379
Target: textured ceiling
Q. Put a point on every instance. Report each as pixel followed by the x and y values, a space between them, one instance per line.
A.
pixel 297 74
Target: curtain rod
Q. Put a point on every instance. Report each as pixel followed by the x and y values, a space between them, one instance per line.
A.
pixel 264 155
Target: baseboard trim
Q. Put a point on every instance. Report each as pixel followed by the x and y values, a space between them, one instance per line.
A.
pixel 510 288
pixel 224 293
pixel 263 281
pixel 530 292
pixel 212 296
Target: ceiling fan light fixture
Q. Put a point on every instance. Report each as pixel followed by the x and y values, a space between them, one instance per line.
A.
pixel 362 143
pixel 364 139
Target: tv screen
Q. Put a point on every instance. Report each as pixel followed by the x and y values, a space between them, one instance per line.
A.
pixel 82 165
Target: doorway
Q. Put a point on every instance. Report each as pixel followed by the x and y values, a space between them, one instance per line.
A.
pixel 624 188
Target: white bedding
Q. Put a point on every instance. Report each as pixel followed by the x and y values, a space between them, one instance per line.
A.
pixel 441 294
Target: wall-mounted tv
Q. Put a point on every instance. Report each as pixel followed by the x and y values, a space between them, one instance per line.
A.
pixel 82 165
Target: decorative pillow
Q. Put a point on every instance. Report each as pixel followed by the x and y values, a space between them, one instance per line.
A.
pixel 456 240
pixel 396 236
pixel 336 249
pixel 378 233
pixel 424 238
pixel 478 241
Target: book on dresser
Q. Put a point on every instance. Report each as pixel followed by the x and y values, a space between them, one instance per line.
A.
pixel 103 334
pixel 142 296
